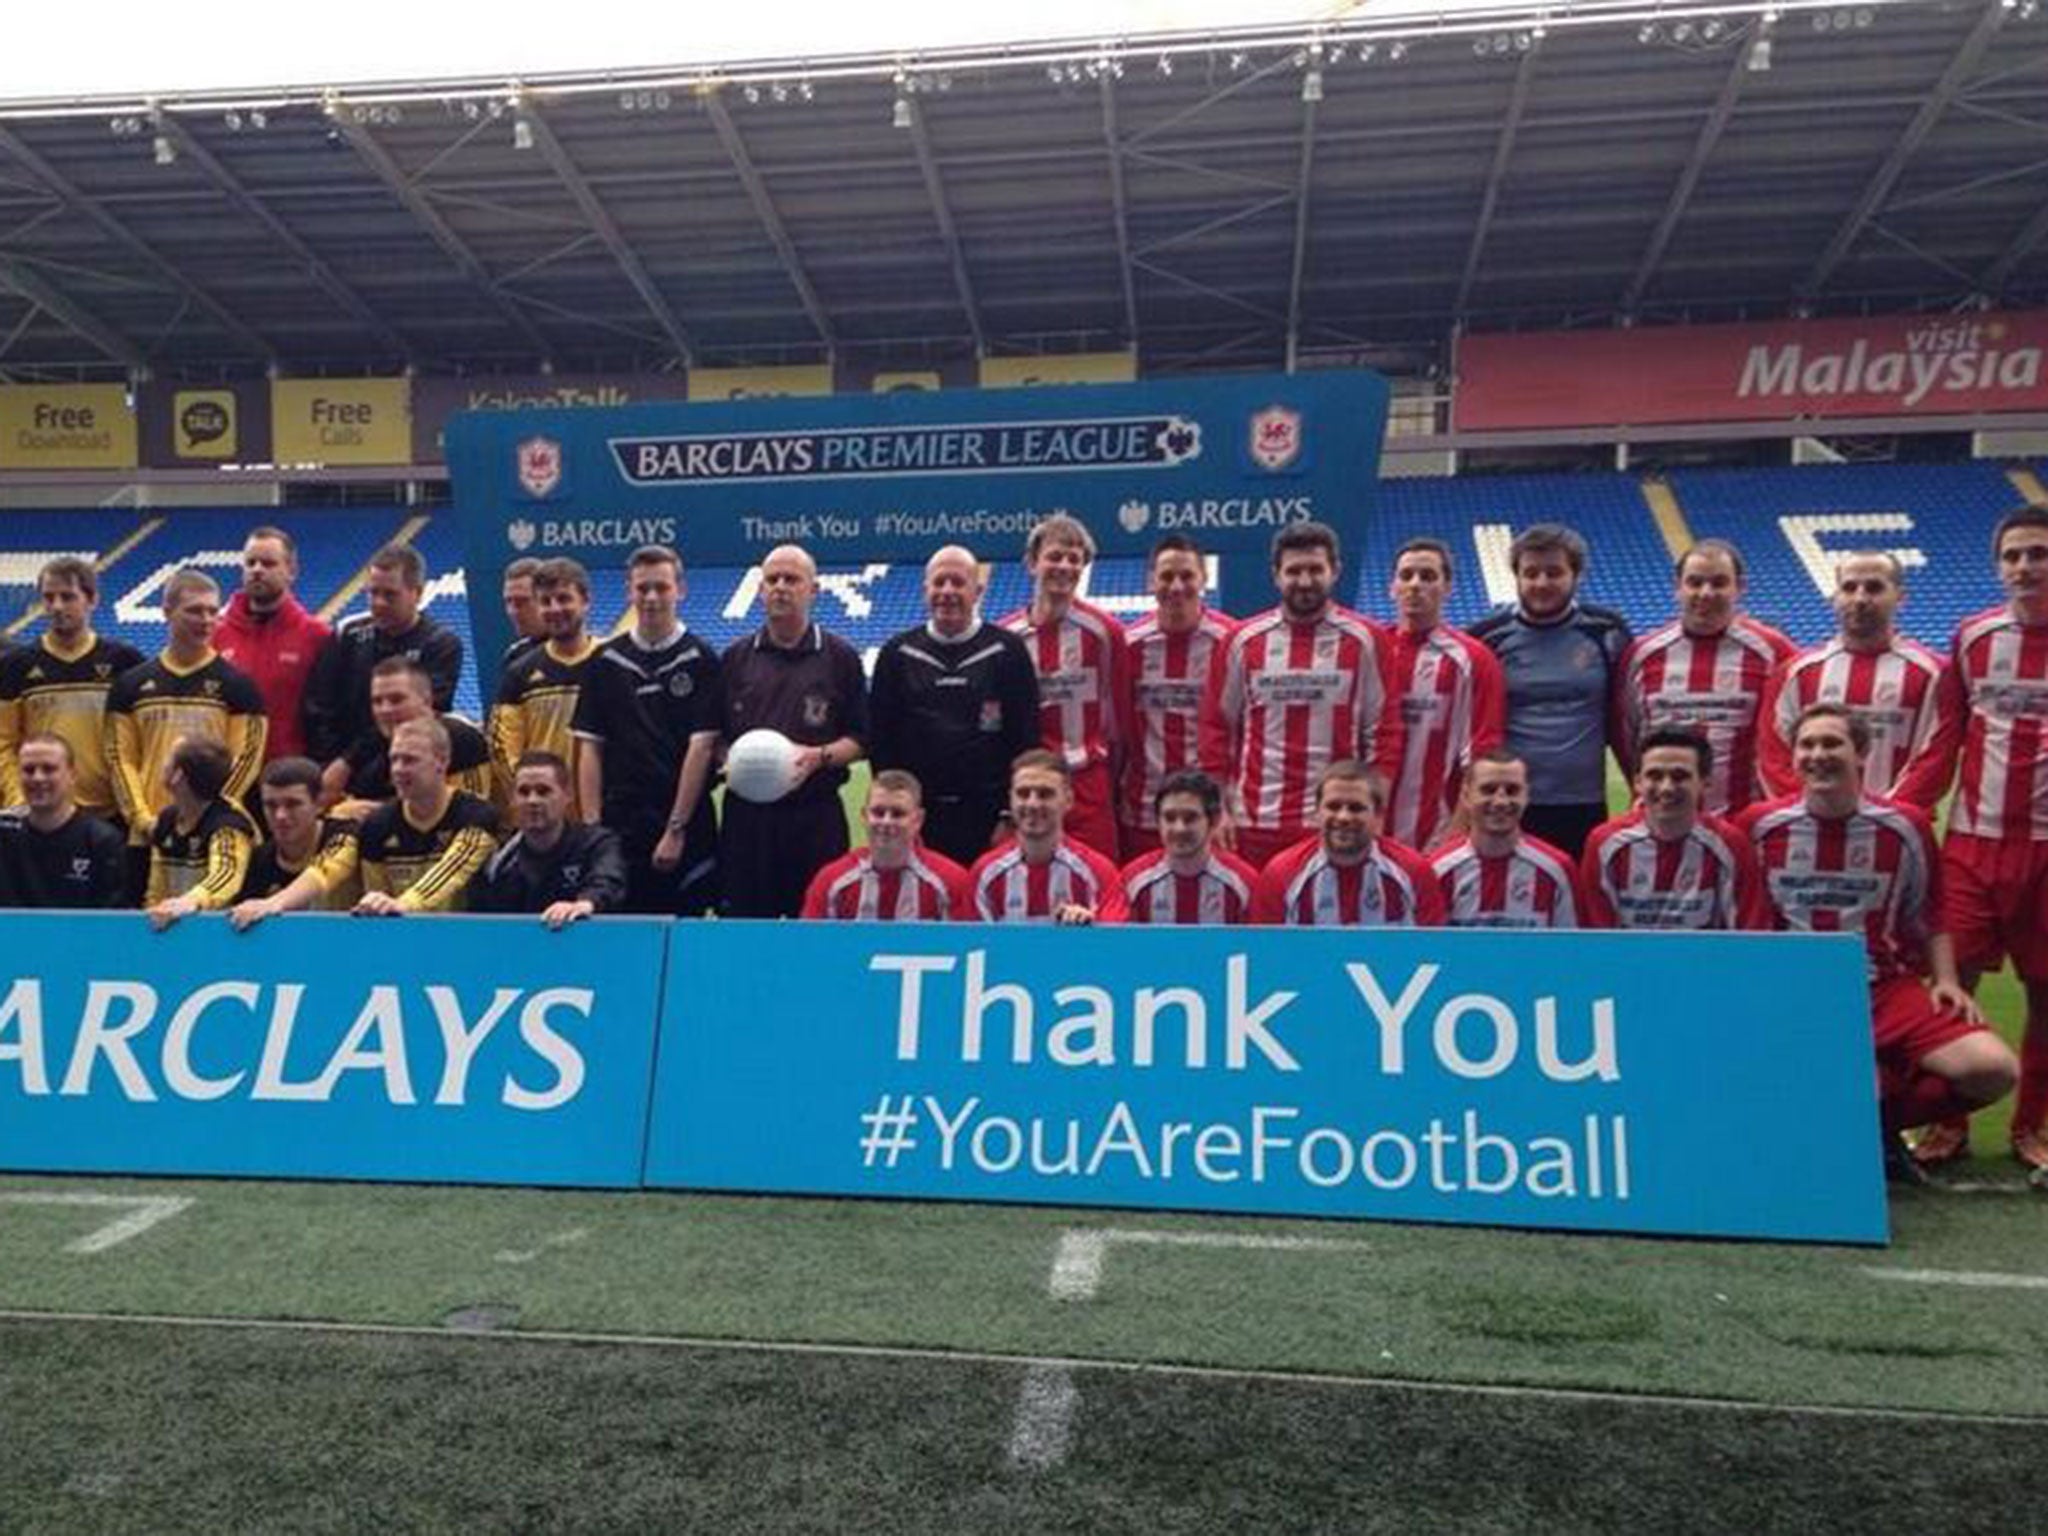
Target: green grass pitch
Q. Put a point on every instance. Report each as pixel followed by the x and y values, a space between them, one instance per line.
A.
pixel 340 1358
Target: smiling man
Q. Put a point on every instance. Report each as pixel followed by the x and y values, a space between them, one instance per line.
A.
pixel 1347 875
pixel 1837 860
pixel 1189 879
pixel 1044 876
pixel 1496 876
pixel 1667 863
pixel 1170 651
pixel 1080 655
pixel 1708 669
pixel 59 686
pixel 895 877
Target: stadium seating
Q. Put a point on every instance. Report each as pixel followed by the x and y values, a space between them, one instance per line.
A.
pixel 1785 520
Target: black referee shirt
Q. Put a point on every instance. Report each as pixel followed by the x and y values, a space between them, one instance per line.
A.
pixel 814 692
pixel 955 712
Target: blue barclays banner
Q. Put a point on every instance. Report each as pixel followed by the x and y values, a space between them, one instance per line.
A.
pixel 328 1047
pixel 1598 1081
pixel 893 476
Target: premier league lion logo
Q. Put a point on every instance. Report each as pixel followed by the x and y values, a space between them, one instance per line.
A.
pixel 540 465
pixel 1275 437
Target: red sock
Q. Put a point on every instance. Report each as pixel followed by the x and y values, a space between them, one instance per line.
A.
pixel 1925 1098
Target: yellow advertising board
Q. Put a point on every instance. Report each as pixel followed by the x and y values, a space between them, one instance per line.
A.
pixel 760 383
pixel 203 423
pixel 341 421
pixel 1059 368
pixel 66 426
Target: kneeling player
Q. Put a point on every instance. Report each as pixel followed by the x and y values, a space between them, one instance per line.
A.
pixel 1667 863
pixel 199 848
pixel 565 871
pixel 895 876
pixel 1044 876
pixel 52 854
pixel 1347 875
pixel 417 853
pixel 1837 860
pixel 299 834
pixel 1496 876
pixel 1188 879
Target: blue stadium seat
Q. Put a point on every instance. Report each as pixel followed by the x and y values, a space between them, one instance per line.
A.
pixel 1785 520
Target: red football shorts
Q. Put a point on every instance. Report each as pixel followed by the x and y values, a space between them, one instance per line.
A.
pixel 1905 1024
pixel 1995 903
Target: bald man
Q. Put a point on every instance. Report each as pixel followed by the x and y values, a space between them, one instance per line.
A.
pixel 793 677
pixel 954 700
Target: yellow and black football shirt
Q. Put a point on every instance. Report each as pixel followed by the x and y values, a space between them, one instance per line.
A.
pixel 469 763
pixel 270 871
pixel 427 867
pixel 209 859
pixel 152 707
pixel 46 691
pixel 536 702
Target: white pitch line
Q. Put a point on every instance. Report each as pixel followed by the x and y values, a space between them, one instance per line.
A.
pixel 1975 1279
pixel 528 1255
pixel 1044 1430
pixel 144 1212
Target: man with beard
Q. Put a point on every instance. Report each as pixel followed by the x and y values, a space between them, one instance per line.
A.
pixel 1296 688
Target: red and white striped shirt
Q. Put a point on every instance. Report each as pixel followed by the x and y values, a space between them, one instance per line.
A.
pixel 1005 889
pixel 1993 704
pixel 1391 887
pixel 1080 664
pixel 1712 683
pixel 1166 674
pixel 1453 707
pixel 1286 700
pixel 1706 879
pixel 1531 886
pixel 1892 691
pixel 929 888
pixel 1872 872
pixel 1219 892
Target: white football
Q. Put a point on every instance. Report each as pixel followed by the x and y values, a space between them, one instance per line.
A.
pixel 761 766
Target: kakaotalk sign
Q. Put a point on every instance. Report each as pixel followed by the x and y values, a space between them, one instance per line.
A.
pixel 1900 365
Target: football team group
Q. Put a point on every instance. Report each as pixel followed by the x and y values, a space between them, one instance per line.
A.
pixel 1309 765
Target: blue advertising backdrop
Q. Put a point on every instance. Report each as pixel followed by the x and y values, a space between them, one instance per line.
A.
pixel 1597 1081
pixel 328 1047
pixel 892 477
pixel 1501 1078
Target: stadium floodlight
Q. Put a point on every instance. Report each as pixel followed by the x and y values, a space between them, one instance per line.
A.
pixel 164 151
pixel 1760 55
pixel 904 116
pixel 522 133
pixel 1312 86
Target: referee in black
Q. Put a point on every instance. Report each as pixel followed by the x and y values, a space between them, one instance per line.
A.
pixel 646 726
pixel 793 677
pixel 954 701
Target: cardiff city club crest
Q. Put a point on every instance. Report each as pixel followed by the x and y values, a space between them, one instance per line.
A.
pixel 540 465
pixel 1275 437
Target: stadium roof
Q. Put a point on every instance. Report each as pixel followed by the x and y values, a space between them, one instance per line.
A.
pixel 1221 200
